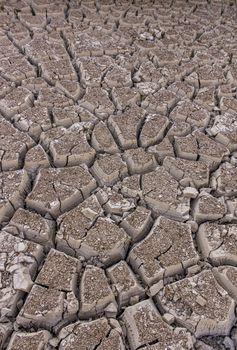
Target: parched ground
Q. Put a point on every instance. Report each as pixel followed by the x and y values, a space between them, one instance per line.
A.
pixel 118 175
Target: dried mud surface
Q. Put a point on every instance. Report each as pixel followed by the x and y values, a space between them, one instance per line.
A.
pixel 118 174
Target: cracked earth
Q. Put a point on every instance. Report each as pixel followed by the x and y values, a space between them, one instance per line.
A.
pixel 118 175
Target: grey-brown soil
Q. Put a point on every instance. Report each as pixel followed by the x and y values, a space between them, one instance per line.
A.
pixel 118 174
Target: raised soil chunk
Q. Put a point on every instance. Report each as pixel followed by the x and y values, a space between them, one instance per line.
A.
pixel 95 292
pixel 19 260
pixel 16 68
pixel 97 101
pixel 93 43
pixel 86 117
pixel 224 130
pixel 208 208
pixel 13 146
pixel 108 169
pixel 173 73
pixel 200 304
pixel 124 283
pixel 32 226
pixel 206 98
pixel 57 70
pixel 227 278
pixel 218 243
pixel 125 126
pixel 113 341
pixel 70 233
pixel 188 172
pixel 214 55
pixel 178 128
pixel 226 90
pixel 124 97
pixel 59 271
pixel 182 89
pixel 167 250
pixel 232 73
pixel 44 307
pixel 117 76
pixel 51 97
pixel 5 332
pixel 137 223
pixel 14 186
pixel 153 130
pixel 105 241
pixel 34 84
pixel 5 87
pixel 71 115
pixel 162 150
pixel 215 342
pixel 102 139
pixel 199 146
pixel 224 180
pixel 130 20
pixel 92 69
pixel 191 113
pixel 33 120
pixel 5 42
pixel 183 340
pixel 33 22
pixel 191 76
pixel 90 335
pixel 162 56
pixel 160 102
pixel 130 186
pixel 163 194
pixel 71 88
pixel 68 147
pixel 36 158
pixel 211 75
pixel 148 73
pixel 228 104
pixel 40 49
pixel 186 147
pixel 231 204
pixel 147 88
pixel 145 325
pixel 27 341
pixel 139 161
pixel 55 12
pixel 114 202
pixel 58 190
pixel 210 151
pixel 16 101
